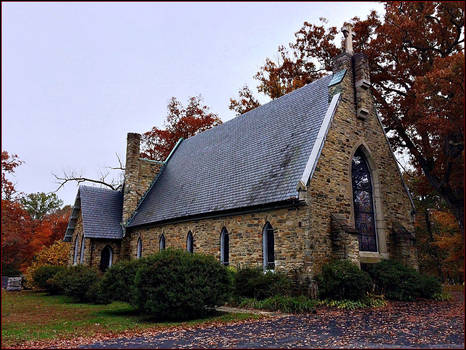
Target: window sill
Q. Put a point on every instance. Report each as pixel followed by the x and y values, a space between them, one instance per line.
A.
pixel 371 257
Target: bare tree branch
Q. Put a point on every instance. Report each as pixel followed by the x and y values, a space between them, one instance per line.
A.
pixel 66 178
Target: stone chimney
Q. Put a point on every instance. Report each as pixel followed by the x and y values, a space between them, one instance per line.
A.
pixel 130 191
pixel 362 84
pixel 357 66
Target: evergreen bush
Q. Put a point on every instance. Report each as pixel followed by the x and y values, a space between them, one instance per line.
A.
pixel 175 284
pixel 341 279
pixel 118 281
pixel 43 275
pixel 399 282
pixel 254 283
pixel 75 281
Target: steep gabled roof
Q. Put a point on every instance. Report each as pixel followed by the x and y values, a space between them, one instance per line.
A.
pixel 101 213
pixel 254 159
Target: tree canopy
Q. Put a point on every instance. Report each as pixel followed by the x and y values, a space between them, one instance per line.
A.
pixel 181 122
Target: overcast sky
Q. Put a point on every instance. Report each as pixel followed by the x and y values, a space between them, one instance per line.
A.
pixel 77 77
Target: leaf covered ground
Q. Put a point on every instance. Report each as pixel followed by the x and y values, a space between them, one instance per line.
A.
pixel 421 324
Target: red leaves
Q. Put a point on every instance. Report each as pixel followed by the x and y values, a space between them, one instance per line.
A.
pixel 245 102
pixel 22 235
pixel 181 122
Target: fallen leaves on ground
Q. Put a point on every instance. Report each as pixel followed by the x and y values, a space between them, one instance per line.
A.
pixel 418 324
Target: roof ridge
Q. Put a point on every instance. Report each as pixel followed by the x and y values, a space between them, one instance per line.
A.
pixel 271 102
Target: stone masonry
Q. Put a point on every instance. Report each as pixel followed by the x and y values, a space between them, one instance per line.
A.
pixel 307 235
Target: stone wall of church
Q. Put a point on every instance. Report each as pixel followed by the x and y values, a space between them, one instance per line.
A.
pixel 245 234
pixel 330 189
pixel 95 250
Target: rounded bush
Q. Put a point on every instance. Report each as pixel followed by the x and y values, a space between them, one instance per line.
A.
pixel 175 284
pixel 118 281
pixel 76 281
pixel 342 279
pixel 43 275
pixel 254 283
pixel 399 282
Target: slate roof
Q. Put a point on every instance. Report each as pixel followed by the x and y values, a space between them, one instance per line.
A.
pixel 101 210
pixel 254 159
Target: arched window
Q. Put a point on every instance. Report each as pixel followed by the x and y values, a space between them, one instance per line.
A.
pixel 189 242
pixel 268 248
pixel 75 252
pixel 224 247
pixel 162 242
pixel 139 251
pixel 106 258
pixel 81 257
pixel 363 202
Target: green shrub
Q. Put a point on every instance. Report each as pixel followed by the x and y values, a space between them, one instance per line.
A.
pixel 175 284
pixel 43 275
pixel 368 301
pixel 286 304
pixel 75 281
pixel 94 294
pixel 399 282
pixel 429 286
pixel 342 279
pixel 118 281
pixel 254 283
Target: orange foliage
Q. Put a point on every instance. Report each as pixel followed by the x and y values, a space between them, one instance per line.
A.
pixel 22 236
pixel 181 122
pixel 57 254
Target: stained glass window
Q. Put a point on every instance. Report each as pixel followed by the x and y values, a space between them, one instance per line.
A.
pixel 139 249
pixel 363 203
pixel 224 247
pixel 162 243
pixel 268 247
pixel 189 242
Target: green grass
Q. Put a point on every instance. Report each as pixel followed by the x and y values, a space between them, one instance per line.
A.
pixel 31 316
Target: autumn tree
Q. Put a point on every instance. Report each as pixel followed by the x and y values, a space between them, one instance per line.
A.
pixel 9 163
pixel 29 223
pixel 181 122
pixel 56 254
pixel 245 102
pixel 416 55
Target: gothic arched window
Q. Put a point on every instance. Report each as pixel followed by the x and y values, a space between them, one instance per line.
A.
pixel 189 242
pixel 106 258
pixel 162 243
pixel 363 202
pixel 224 247
pixel 81 257
pixel 139 249
pixel 75 252
pixel 268 248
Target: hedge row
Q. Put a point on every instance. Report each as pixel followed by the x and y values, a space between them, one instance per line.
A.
pixel 175 284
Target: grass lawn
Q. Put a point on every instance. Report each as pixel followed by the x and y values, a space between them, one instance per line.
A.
pixel 32 316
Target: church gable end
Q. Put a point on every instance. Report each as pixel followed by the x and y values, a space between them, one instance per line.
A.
pixel 356 128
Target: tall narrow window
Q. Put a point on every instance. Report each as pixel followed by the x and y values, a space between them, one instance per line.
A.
pixel 224 247
pixel 189 242
pixel 139 251
pixel 75 252
pixel 81 257
pixel 268 247
pixel 162 242
pixel 106 258
pixel 363 203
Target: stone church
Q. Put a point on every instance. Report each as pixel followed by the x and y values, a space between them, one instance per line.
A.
pixel 288 186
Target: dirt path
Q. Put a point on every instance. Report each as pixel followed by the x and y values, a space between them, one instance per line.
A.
pixel 423 324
